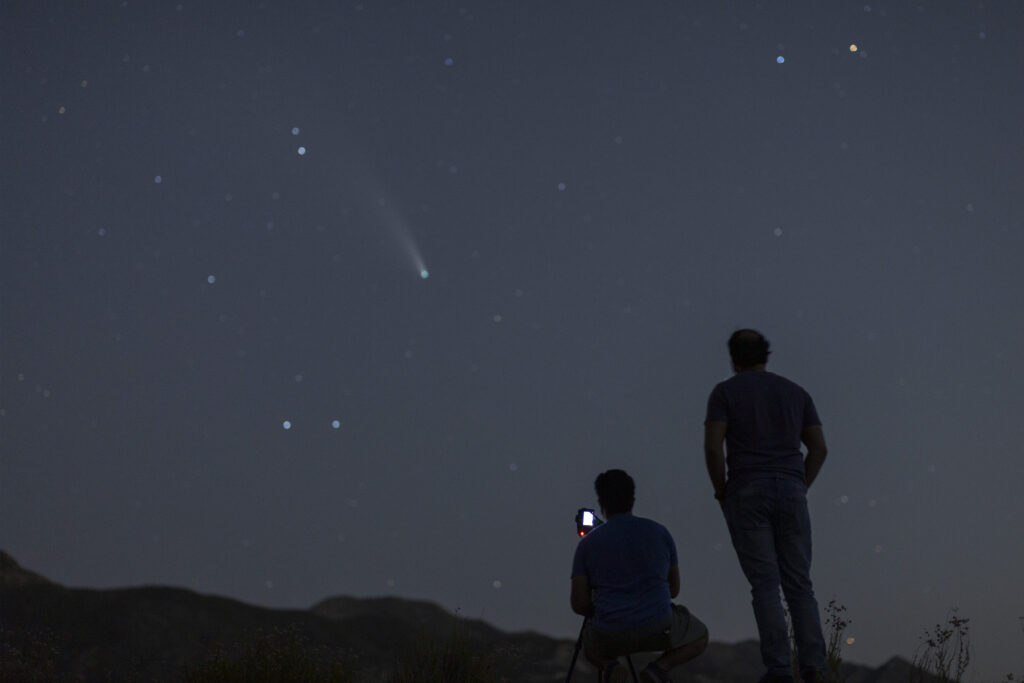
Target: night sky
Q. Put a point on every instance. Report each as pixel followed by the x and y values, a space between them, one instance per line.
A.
pixel 308 299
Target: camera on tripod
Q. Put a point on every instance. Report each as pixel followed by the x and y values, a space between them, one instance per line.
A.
pixel 586 521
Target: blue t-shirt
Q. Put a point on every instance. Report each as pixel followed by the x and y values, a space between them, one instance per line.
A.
pixel 626 560
pixel 766 414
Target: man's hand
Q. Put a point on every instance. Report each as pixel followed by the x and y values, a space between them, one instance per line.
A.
pixel 673 580
pixel 814 439
pixel 714 454
pixel 580 599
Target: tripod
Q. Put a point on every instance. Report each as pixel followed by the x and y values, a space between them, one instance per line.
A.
pixel 576 654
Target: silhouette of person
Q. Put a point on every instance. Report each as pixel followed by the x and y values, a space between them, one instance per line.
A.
pixel 762 418
pixel 624 576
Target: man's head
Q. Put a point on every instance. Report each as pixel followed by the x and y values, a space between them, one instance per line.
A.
pixel 748 349
pixel 615 492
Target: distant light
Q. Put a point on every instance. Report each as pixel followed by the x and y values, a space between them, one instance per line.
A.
pixel 158 179
pixel 211 278
pixel 777 232
pixel 496 583
pixel 101 232
pixel 851 641
pixel 561 187
pixel 448 61
pixel 287 424
pixel 513 467
pixel 853 48
pixel 336 424
pixel 61 110
pixel 295 130
pixel 780 59
pixel 302 151
pixel 424 274
pixel 85 84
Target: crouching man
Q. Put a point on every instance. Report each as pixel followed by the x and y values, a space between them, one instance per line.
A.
pixel 624 576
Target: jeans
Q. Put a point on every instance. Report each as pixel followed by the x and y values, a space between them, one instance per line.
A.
pixel 771 532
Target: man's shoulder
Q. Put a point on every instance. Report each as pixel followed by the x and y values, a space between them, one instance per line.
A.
pixel 765 377
pixel 722 388
pixel 757 383
pixel 626 523
pixel 787 382
pixel 653 526
pixel 625 531
pixel 724 383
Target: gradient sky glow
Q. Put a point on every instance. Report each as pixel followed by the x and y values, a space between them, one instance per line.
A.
pixel 222 365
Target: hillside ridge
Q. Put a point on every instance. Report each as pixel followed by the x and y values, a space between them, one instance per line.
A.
pixel 157 633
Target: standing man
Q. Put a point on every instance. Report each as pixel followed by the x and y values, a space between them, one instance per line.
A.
pixel 762 418
pixel 624 576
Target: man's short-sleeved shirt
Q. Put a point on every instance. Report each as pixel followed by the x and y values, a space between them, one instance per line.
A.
pixel 766 414
pixel 626 561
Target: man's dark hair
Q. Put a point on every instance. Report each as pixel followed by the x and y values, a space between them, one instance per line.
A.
pixel 615 491
pixel 748 347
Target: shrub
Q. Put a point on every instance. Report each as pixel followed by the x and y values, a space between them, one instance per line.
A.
pixel 274 658
pixel 27 659
pixel 452 660
pixel 835 625
pixel 944 652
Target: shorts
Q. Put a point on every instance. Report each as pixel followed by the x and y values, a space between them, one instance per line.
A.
pixel 675 630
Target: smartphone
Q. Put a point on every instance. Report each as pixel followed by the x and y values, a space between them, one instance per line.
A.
pixel 586 520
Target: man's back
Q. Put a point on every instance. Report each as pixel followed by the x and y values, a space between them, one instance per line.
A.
pixel 627 561
pixel 762 419
pixel 766 415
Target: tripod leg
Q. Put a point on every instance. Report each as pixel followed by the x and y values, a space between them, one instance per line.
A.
pixel 576 652
pixel 632 671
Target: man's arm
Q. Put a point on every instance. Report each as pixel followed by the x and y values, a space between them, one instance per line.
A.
pixel 714 454
pixel 673 580
pixel 814 438
pixel 580 599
